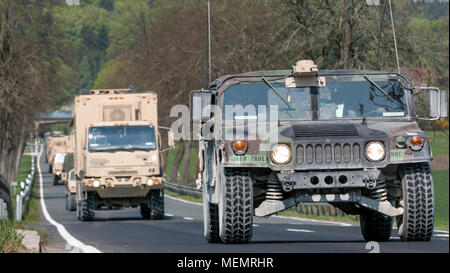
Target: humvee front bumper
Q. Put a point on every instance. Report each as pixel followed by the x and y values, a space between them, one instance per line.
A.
pixel 291 179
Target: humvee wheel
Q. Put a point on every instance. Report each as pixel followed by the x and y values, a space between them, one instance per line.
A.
pixel 235 206
pixel 157 204
pixel 50 169
pixel 85 208
pixel 416 223
pixel 211 222
pixel 374 225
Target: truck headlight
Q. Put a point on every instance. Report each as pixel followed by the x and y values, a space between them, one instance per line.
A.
pixel 281 154
pixel 150 182
pixel 375 151
pixel 96 183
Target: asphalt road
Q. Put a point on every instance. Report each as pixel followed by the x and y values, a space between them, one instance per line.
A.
pixel 181 231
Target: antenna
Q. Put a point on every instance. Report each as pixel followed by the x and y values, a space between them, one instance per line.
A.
pixel 395 40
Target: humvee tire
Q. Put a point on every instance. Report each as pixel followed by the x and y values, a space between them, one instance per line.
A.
pixel 157 204
pixel 85 208
pixel 417 221
pixel 211 222
pixel 236 206
pixel 50 169
pixel 374 225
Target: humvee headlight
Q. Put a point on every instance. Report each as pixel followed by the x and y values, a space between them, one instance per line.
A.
pixel 375 151
pixel 58 173
pixel 96 183
pixel 281 154
pixel 150 182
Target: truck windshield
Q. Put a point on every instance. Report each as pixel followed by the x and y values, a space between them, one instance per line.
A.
pixel 338 100
pixel 126 138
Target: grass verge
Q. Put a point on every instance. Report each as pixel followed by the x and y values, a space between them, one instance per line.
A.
pixel 10 240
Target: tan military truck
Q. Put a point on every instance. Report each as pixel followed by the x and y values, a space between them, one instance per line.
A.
pixel 70 190
pixel 117 152
pixel 55 145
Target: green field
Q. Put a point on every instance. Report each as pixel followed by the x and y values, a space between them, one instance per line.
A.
pixel 439 142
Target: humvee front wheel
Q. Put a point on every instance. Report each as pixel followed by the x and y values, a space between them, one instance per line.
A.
pixel 55 180
pixel 235 206
pixel 416 223
pixel 211 221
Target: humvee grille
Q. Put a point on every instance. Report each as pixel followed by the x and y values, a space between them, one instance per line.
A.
pixel 327 154
pixel 332 130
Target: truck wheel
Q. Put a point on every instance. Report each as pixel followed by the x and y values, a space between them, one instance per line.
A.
pixel 145 211
pixel 86 210
pixel 235 206
pixel 50 169
pixel 157 207
pixel 374 225
pixel 67 202
pixel 417 221
pixel 72 203
pixel 55 180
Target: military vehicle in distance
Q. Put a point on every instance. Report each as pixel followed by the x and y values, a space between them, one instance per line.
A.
pixel 56 152
pixel 70 190
pixel 344 137
pixel 117 152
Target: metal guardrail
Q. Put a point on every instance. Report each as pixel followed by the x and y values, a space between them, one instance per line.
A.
pixel 25 188
pixel 184 190
pixel 6 210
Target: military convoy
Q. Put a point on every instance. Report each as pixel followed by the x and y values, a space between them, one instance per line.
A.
pixel 117 147
pixel 272 139
pixel 57 148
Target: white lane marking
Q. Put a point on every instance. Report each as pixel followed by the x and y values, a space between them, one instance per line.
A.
pixel 188 218
pixel 299 230
pixel 184 201
pixel 255 225
pixel 441 231
pixel 169 215
pixel 313 220
pixel 440 235
pixel 61 229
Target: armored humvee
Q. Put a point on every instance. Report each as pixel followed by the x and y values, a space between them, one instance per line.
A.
pixel 117 152
pixel 272 139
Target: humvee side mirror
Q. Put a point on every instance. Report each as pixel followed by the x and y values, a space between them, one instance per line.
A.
pixel 437 103
pixel 200 105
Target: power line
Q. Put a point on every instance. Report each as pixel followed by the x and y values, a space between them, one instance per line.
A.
pixel 395 40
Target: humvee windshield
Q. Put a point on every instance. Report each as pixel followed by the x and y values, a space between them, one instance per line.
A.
pixel 128 138
pixel 338 100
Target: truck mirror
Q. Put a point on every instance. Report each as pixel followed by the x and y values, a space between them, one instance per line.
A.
pixel 170 139
pixel 200 102
pixel 437 103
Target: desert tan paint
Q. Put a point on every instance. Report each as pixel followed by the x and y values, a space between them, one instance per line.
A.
pixel 100 110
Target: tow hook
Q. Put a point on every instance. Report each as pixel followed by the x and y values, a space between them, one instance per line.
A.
pixel 371 183
pixel 288 185
pixel 286 182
